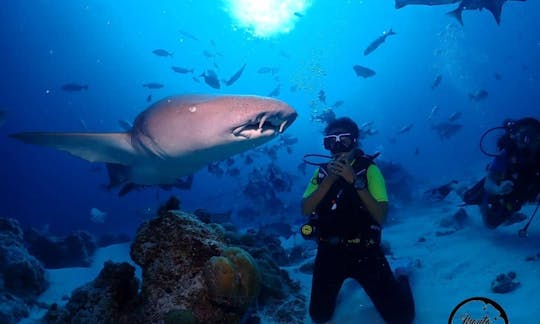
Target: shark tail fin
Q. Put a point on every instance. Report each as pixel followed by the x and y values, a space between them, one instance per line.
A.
pixel 93 147
pixel 496 11
pixel 457 14
pixel 400 4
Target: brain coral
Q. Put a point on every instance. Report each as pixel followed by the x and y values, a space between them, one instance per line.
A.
pixel 232 278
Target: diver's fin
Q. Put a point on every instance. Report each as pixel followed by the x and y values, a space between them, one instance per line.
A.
pixel 93 147
pixel 475 195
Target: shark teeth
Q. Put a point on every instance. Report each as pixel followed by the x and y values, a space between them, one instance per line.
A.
pixel 238 130
pixel 282 126
pixel 261 122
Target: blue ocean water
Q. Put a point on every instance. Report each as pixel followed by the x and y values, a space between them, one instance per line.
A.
pixel 108 46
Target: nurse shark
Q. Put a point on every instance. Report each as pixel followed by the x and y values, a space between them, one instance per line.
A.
pixel 175 137
pixel 493 6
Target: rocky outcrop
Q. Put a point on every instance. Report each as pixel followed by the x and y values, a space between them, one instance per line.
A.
pixel 232 278
pixel 505 283
pixel 280 298
pixel 12 308
pixel 22 277
pixel 192 272
pixel 188 269
pixel 74 250
pixel 111 298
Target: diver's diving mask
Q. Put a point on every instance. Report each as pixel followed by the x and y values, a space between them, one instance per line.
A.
pixel 338 143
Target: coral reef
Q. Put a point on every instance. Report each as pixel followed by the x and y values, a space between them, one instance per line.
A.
pixel 181 316
pixel 232 278
pixel 505 283
pixel 276 287
pixel 192 272
pixel 175 251
pixel 22 277
pixel 12 308
pixel 111 298
pixel 74 250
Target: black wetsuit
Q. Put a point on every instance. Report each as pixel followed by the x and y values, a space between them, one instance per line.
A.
pixel 349 247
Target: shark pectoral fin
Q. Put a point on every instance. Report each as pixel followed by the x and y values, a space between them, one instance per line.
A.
pixel 118 174
pixel 94 147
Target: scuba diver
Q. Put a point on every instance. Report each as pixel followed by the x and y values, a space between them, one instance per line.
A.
pixel 513 177
pixel 347 203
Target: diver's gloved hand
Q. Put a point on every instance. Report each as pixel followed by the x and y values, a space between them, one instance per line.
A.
pixel 504 188
pixel 341 167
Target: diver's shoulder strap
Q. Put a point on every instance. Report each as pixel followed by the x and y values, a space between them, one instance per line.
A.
pixel 321 173
pixel 362 161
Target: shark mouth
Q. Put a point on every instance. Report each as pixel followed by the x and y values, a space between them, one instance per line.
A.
pixel 263 125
